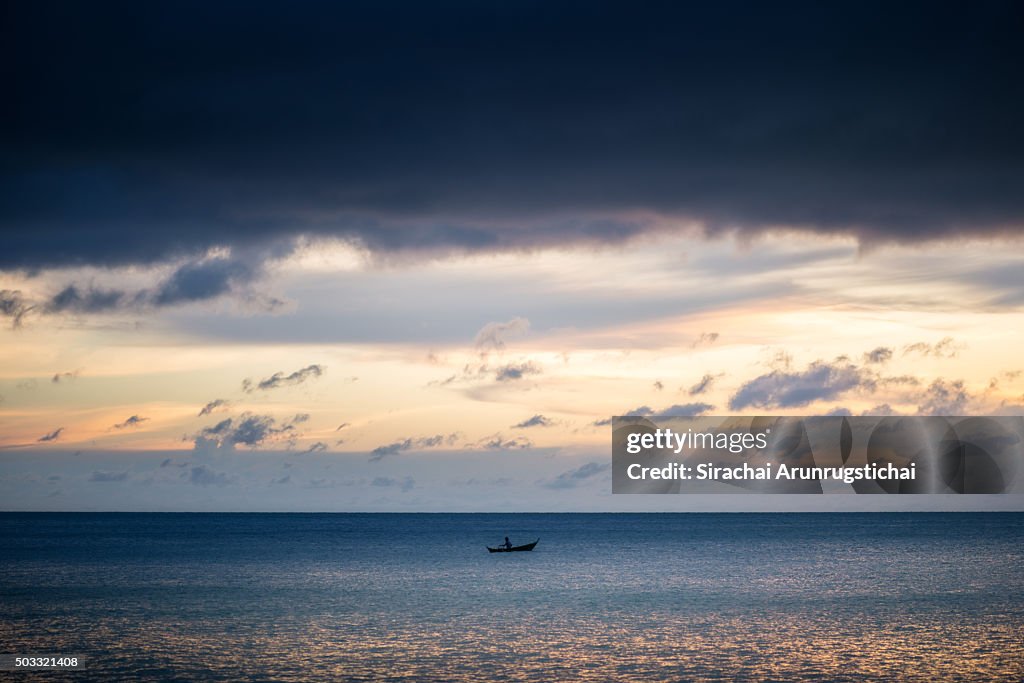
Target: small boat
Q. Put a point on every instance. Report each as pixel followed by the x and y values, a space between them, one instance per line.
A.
pixel 513 549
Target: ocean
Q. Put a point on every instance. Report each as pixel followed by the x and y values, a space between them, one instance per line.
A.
pixel 409 597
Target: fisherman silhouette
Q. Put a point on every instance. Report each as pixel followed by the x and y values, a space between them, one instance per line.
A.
pixel 508 544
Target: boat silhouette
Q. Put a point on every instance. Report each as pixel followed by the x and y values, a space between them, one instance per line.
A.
pixel 513 549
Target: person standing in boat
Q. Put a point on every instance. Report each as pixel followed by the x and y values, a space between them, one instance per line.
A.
pixel 507 544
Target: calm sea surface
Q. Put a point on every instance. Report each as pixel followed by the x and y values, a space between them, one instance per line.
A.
pixel 417 597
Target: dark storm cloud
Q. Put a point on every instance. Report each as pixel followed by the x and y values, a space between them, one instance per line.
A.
pixel 279 379
pixel 151 134
pixel 819 382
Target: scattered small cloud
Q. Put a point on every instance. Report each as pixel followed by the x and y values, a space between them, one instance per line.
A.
pixel 14 306
pixel 642 411
pixel 945 398
pixel 279 379
pixel 574 478
pixel 658 386
pixel 705 339
pixel 685 410
pixel 515 371
pixel 878 355
pixel 899 380
pixel 839 412
pixel 205 279
pixel 473 481
pixel 676 410
pixel 246 430
pixel 703 384
pixel 492 336
pixel 535 421
pixel 133 421
pixel 780 360
pixel 411 444
pixel 322 483
pixel 881 410
pixel 198 280
pixel 496 442
pixel 213 406
pixel 201 475
pixel 103 476
pixel 821 381
pixel 474 373
pixel 52 436
pixel 89 300
pixel 342 426
pixel 64 376
pixel 318 447
pixel 944 348
pixel 406 484
pixel 1009 376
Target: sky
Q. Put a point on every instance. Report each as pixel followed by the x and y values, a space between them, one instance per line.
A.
pixel 412 257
